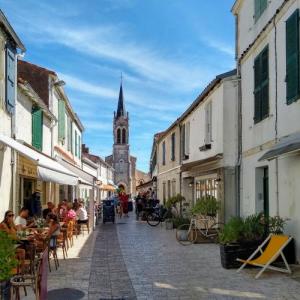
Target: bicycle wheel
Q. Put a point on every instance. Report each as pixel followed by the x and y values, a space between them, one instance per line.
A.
pixel 153 219
pixel 186 234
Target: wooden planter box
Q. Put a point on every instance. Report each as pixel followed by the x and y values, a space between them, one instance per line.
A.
pixel 229 253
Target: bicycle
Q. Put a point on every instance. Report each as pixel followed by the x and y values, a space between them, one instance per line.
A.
pixel 158 215
pixel 207 226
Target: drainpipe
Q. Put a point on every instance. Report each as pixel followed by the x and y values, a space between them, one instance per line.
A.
pixel 239 130
pixel 14 203
pixel 276 118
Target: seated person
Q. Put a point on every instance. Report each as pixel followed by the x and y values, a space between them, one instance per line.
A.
pixel 51 233
pixel 82 216
pixel 21 219
pixel 71 214
pixel 50 209
pixel 8 226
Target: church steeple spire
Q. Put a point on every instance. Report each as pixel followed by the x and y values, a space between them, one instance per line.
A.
pixel 121 104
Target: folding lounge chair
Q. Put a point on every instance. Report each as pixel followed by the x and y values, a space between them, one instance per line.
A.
pixel 274 249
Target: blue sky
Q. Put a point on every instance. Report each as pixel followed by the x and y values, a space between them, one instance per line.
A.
pixel 168 50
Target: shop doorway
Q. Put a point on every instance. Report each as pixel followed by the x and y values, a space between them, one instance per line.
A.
pixel 28 190
pixel 262 190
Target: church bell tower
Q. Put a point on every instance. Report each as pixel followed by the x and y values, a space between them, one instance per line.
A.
pixel 121 154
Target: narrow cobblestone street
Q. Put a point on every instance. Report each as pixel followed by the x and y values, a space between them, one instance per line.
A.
pixel 132 260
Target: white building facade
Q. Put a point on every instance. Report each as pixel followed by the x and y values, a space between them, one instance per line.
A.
pixel 268 64
pixel 209 145
pixel 9 44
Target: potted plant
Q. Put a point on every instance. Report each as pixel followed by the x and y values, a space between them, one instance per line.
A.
pixel 241 237
pixel 207 206
pixel 171 206
pixel 7 263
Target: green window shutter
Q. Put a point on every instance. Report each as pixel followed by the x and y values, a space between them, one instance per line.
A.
pixel 61 120
pixel 76 145
pixel 37 128
pixel 79 146
pixel 256 9
pixel 259 8
pixel 263 5
pixel 261 85
pixel 257 112
pixel 292 57
pixel 264 83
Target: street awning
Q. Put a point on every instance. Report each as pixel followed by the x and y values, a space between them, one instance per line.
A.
pixel 285 145
pixel 48 169
pixel 107 187
pixel 84 177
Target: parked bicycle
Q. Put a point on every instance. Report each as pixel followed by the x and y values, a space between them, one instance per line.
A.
pixel 206 226
pixel 158 215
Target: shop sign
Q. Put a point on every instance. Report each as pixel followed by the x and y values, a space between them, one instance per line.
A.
pixel 26 168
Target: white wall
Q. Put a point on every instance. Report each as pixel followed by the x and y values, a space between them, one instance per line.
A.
pixel 5 128
pixel 224 125
pixel 258 138
pixel 248 28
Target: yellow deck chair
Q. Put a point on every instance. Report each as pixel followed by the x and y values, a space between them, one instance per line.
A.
pixel 274 249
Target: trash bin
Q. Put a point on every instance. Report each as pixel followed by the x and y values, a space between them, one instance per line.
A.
pixel 108 211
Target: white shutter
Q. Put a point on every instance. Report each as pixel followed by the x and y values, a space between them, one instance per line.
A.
pixel 187 139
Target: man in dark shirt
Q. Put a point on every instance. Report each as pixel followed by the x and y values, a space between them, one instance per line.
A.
pixel 48 210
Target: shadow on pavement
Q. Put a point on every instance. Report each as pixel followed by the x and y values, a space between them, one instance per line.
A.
pixel 66 292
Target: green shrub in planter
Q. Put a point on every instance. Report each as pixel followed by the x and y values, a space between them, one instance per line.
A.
pixel 7 263
pixel 7 256
pixel 207 206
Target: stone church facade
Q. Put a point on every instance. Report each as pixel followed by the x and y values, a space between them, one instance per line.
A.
pixel 121 160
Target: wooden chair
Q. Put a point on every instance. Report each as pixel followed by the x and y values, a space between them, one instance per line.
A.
pixel 52 250
pixel 70 231
pixel 29 280
pixel 84 225
pixel 62 242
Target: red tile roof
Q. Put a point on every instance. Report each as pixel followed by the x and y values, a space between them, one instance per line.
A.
pixel 37 77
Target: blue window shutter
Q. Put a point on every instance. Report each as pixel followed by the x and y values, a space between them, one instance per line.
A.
pixel 10 79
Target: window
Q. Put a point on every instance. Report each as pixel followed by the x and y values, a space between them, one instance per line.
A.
pixel 173 146
pixel 169 189
pixel 164 193
pixel 292 58
pixel 185 140
pixel 124 136
pixel 259 8
pixel 208 123
pixel 10 79
pixel 164 153
pixel 173 188
pixel 118 136
pixel 206 187
pixel 261 86
pixel 61 120
pixel 37 128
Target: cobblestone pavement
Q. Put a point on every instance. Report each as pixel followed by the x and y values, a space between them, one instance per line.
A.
pixel 131 260
pixel 160 268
